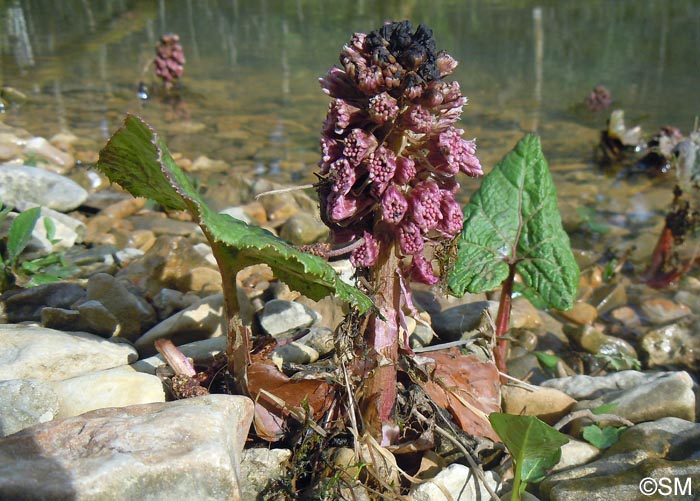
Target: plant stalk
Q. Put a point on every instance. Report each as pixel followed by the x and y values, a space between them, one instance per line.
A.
pixel 503 320
pixel 383 338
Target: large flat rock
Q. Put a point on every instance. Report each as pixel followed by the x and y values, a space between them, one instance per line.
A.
pixel 188 449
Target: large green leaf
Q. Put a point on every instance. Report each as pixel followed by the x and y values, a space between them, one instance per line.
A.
pixel 513 220
pixel 534 445
pixel 137 159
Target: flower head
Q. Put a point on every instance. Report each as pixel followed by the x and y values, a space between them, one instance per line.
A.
pixel 390 150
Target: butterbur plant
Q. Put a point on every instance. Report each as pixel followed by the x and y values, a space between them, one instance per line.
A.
pixel 391 153
pixel 169 62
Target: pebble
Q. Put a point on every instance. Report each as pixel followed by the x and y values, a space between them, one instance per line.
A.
pixel 150 451
pixel 659 310
pixel 303 228
pixel 293 353
pixel 667 394
pixel 674 344
pixel 26 304
pixel 198 351
pixel 626 316
pixel 320 339
pixel 280 317
pixel 203 319
pixel 575 453
pixel 133 313
pixel 29 352
pixel 68 231
pixel 237 213
pixel 167 302
pixel 582 313
pixel 166 226
pixel 24 403
pixel 548 404
pixel 23 187
pixel 203 280
pixel 40 147
pixel 117 387
pixel 455 483
pixel 610 296
pixel 453 323
pixel 162 265
pixel 261 466
pixel 204 163
pixel 657 449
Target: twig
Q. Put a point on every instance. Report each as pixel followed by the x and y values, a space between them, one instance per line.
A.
pixel 596 418
pixel 443 346
pixel 175 358
pixel 475 467
pixel 520 381
pixel 284 190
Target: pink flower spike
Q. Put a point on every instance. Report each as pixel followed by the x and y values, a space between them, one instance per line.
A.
pixel 366 255
pixel 394 205
pixel 422 271
pixel 410 238
pixel 452 217
pixel 381 165
pixel 382 108
pixel 405 170
pixel 418 119
pixel 445 63
pixel 341 207
pixel 338 84
pixel 344 175
pixel 424 202
pixel 340 116
pixel 451 153
pixel 370 80
pixel 358 145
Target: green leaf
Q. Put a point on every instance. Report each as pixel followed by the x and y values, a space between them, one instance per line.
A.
pixel 21 233
pixel 602 437
pixel 513 220
pixel 137 159
pixel 534 445
pixel 549 361
pixel 605 408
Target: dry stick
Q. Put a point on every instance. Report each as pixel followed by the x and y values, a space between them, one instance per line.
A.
pixel 475 467
pixel 284 190
pixel 175 358
pixel 596 418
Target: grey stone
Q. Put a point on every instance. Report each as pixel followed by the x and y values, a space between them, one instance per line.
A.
pixel 320 339
pixel 293 353
pixel 303 228
pixel 24 187
pixel 575 453
pixel 24 403
pixel 280 317
pixel 590 387
pixel 133 313
pixel 456 482
pixel 668 396
pixel 26 304
pixel 659 449
pixel 260 467
pixel 117 387
pixel 28 352
pixel 452 323
pixel 198 351
pixel 204 319
pixel 63 320
pixel 187 449
pixel 96 318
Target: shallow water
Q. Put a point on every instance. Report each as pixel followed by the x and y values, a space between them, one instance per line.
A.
pixel 250 94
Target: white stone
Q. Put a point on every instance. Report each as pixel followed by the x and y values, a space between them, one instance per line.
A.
pixel 23 187
pixel 30 352
pixel 187 449
pixel 24 403
pixel 118 387
pixel 280 317
pixel 455 483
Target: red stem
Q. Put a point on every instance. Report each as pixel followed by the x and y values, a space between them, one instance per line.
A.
pixel 503 320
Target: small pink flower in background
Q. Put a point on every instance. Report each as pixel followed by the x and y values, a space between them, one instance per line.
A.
pixel 170 59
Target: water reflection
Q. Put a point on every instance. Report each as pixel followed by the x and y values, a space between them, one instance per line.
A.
pixel 251 96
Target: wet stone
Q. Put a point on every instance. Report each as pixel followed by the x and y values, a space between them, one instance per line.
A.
pixel 675 344
pixel 660 311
